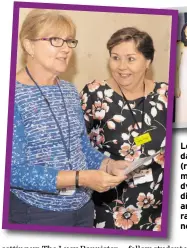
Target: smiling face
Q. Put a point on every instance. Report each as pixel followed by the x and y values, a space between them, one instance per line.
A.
pixel 48 57
pixel 127 64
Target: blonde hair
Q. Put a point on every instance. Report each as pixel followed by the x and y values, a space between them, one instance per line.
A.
pixel 41 23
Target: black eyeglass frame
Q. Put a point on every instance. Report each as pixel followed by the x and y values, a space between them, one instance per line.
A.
pixel 51 39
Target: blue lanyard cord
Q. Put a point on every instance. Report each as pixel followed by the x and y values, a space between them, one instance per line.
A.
pixel 67 148
pixel 69 127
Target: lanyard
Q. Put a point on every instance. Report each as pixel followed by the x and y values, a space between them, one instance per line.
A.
pixel 67 147
pixel 130 109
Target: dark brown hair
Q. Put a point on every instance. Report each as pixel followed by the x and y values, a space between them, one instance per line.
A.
pixel 143 41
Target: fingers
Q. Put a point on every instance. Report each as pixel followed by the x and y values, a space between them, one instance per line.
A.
pixel 107 186
pixel 116 179
pixel 106 189
pixel 117 167
pixel 108 181
pixel 119 172
pixel 111 184
pixel 122 164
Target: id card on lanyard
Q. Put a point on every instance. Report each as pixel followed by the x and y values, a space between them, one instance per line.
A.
pixel 142 139
pixel 144 176
pixel 67 191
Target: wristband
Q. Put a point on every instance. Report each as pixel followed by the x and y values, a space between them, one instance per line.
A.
pixel 77 179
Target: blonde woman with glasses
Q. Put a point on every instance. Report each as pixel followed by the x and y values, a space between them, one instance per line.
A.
pixel 54 168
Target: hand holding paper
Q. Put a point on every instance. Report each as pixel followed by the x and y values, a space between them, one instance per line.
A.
pixel 117 167
pixel 137 163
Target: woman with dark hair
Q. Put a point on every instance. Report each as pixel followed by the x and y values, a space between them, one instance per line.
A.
pixel 181 78
pixel 119 113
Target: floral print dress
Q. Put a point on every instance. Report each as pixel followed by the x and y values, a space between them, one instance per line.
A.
pixel 112 131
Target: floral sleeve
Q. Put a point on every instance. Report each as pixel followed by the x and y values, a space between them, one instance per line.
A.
pixel 86 104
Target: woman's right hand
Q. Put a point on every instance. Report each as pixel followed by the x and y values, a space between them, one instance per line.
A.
pixel 98 180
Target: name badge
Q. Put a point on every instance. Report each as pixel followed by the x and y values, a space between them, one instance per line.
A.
pixel 144 176
pixel 142 139
pixel 67 191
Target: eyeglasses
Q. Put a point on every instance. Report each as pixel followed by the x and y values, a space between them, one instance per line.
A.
pixel 58 42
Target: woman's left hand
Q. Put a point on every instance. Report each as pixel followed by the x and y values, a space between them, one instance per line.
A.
pixel 116 168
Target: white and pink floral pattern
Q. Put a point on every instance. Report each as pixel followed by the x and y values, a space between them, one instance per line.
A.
pixel 112 131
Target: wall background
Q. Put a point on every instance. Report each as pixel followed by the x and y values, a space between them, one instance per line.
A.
pixel 93 31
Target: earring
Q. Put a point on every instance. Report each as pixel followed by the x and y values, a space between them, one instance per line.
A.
pixel 32 55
